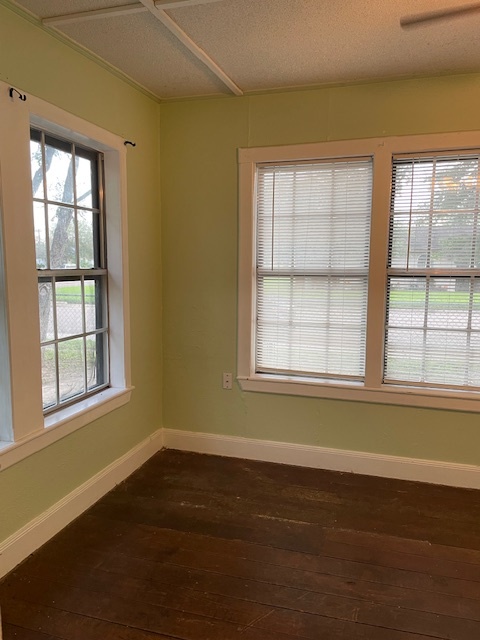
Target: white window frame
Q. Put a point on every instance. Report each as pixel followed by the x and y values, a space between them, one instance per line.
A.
pixel 372 389
pixel 23 427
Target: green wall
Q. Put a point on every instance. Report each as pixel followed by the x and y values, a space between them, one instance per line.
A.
pixel 41 65
pixel 199 249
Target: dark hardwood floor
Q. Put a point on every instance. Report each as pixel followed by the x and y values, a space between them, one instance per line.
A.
pixel 201 547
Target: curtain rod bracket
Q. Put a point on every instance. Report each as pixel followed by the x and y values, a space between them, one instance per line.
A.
pixel 133 144
pixel 21 96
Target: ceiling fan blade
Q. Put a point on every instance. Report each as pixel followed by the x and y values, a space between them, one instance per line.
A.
pixel 440 14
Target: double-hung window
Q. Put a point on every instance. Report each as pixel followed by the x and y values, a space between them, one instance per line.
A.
pixel 67 185
pixel 360 270
pixel 64 332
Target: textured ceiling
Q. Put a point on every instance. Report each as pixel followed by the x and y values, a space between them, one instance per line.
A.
pixel 271 44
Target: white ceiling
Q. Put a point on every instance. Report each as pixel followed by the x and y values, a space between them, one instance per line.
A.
pixel 262 45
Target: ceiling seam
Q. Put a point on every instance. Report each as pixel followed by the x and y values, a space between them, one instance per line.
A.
pixel 192 46
pixel 110 12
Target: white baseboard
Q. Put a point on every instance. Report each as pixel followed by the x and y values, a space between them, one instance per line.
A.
pixel 373 464
pixel 35 533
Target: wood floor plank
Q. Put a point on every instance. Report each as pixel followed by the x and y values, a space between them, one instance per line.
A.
pixel 307 625
pixel 239 611
pixel 195 547
pixel 360 553
pixel 13 632
pixel 265 584
pixel 143 616
pixel 187 516
pixel 67 625
pixel 397 544
pixel 181 598
pixel 142 620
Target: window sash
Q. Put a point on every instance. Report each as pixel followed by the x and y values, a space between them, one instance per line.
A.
pixel 432 334
pixel 313 226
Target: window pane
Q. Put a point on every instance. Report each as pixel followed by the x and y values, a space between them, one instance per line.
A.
pixel 59 176
pixel 433 331
pixel 86 239
pixel 95 315
pixel 36 164
pixel 435 213
pixel 49 376
pixel 96 360
pixel 314 216
pixel 69 305
pixel 71 364
pixel 61 222
pixel 312 325
pixel 40 235
pixel 45 303
pixel 86 182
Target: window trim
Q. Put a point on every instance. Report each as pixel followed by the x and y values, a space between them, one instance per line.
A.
pixel 373 390
pixel 29 430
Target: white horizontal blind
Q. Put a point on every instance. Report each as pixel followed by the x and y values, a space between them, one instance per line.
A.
pixel 433 313
pixel 313 227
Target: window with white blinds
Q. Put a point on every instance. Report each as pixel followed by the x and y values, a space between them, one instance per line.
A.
pixel 312 256
pixel 359 270
pixel 433 279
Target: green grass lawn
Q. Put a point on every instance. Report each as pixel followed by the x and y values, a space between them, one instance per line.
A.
pixel 72 293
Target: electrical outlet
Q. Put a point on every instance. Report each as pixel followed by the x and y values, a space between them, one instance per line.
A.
pixel 227 381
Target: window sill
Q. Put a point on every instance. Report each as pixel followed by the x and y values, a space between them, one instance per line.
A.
pixel 63 422
pixel 386 394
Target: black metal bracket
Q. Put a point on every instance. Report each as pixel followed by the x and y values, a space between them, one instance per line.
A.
pixel 133 144
pixel 21 96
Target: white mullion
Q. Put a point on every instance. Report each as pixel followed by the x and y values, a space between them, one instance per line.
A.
pixel 377 278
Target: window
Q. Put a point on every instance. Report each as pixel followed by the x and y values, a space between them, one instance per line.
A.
pixel 64 335
pixel 67 184
pixel 360 270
